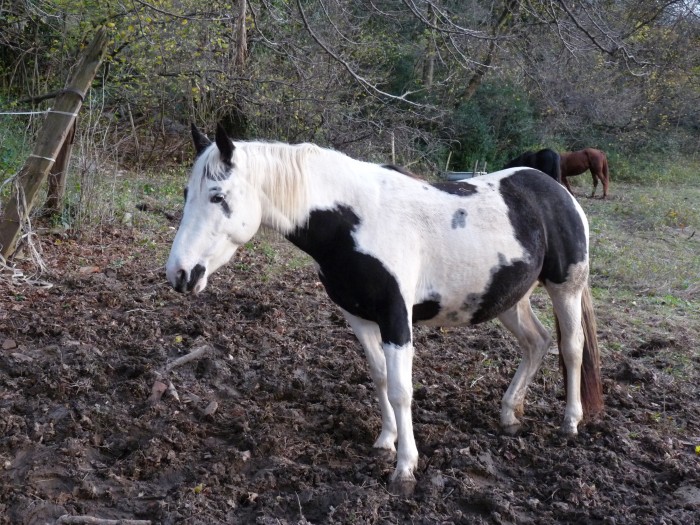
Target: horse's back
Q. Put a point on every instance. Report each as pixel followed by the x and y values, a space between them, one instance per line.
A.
pixel 517 227
pixel 576 162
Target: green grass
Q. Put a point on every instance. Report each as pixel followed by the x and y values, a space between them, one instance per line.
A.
pixel 645 273
pixel 644 240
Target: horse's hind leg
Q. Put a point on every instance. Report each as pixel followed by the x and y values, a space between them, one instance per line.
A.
pixel 534 341
pixel 368 334
pixel 596 175
pixel 566 299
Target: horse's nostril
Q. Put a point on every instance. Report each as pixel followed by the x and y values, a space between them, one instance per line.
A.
pixel 195 275
pixel 181 281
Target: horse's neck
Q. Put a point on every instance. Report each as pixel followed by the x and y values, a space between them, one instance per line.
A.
pixel 313 179
pixel 337 179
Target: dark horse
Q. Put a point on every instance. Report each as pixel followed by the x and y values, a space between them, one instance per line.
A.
pixel 577 162
pixel 545 160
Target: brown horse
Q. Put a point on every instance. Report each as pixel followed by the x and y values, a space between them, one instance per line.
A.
pixel 577 162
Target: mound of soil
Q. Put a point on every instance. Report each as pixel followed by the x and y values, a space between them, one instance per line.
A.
pixel 274 423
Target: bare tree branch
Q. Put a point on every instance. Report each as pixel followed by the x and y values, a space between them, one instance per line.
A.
pixel 366 84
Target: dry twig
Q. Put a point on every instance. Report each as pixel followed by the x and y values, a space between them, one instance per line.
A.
pixel 90 520
pixel 162 384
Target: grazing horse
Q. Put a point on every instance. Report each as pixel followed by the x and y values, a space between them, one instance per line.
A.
pixel 546 160
pixel 577 162
pixel 393 250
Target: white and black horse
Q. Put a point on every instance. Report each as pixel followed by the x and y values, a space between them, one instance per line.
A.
pixel 393 250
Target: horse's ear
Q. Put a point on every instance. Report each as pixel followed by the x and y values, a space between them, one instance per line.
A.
pixel 201 141
pixel 223 142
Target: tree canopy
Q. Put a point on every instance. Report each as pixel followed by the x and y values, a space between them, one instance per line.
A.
pixel 424 82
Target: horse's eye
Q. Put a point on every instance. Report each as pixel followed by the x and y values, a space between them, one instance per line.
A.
pixel 217 198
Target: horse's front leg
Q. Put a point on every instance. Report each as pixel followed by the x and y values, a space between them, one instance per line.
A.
pixel 565 181
pixel 370 338
pixel 391 366
pixel 399 364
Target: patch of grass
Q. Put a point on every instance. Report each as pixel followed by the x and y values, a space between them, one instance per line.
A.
pixel 644 239
pixel 650 171
pixel 280 254
pixel 645 274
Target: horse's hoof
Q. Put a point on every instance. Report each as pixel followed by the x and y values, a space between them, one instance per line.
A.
pixel 513 429
pixel 403 487
pixel 569 429
pixel 384 454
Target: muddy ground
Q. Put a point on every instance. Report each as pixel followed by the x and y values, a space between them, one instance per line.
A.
pixel 275 424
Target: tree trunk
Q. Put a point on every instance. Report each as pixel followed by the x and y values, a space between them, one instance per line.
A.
pixel 504 22
pixel 429 59
pixel 241 36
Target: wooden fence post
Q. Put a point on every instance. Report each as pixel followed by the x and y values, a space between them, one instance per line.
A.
pixel 57 175
pixel 56 128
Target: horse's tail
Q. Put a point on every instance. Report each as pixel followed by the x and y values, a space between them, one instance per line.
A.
pixel 605 169
pixel 557 168
pixel 591 383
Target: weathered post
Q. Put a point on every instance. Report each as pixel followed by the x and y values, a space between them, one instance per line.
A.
pixel 57 175
pixel 58 124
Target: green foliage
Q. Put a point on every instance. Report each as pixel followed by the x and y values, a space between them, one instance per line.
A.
pixel 13 143
pixel 172 62
pixel 495 125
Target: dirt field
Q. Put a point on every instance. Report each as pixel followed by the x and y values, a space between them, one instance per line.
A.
pixel 275 424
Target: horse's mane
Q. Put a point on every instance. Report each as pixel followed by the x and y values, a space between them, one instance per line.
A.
pixel 275 169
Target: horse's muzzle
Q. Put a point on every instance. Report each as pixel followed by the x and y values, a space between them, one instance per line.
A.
pixel 184 284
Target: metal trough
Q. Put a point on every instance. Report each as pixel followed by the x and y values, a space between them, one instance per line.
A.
pixel 453 176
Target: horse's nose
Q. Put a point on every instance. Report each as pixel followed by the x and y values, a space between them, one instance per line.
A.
pixel 183 284
pixel 180 283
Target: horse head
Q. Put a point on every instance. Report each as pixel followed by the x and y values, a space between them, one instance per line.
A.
pixel 222 211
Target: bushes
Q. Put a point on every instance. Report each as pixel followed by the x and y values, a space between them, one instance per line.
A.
pixel 495 125
pixel 13 142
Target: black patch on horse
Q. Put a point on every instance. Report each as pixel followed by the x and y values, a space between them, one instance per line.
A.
pixel 463 189
pixel 355 281
pixel 427 309
pixel 401 170
pixel 553 208
pixel 548 226
pixel 459 219
pixel 509 282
